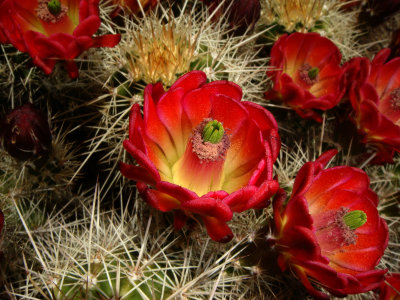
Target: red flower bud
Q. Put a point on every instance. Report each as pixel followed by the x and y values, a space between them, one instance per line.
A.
pixel 25 133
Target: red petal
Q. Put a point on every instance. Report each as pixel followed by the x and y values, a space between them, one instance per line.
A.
pixel 296 213
pixel 135 128
pixel 217 229
pixel 176 191
pixel 343 177
pixel 190 81
pixel 238 200
pixel 261 197
pixel 263 118
pixel 304 179
pixel 142 159
pixel 136 173
pixel 88 26
pixel 245 153
pixel 179 219
pixel 161 201
pixel 208 207
pixel 155 129
pixel 169 111
pixel 106 40
pixel 197 104
pixel 231 121
pixel 72 68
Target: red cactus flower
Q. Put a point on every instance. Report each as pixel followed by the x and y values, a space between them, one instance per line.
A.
pixel 52 30
pixel 390 288
pixel 25 133
pixel 305 69
pixel 376 103
pixel 330 229
pixel 201 152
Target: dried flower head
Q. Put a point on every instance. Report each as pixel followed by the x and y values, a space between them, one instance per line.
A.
pixel 159 51
pixel 295 14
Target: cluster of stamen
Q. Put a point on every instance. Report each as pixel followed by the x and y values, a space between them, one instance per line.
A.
pixel 207 151
pixel 308 74
pixel 395 99
pixel 43 12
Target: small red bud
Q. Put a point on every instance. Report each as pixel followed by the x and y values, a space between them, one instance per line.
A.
pixel 25 133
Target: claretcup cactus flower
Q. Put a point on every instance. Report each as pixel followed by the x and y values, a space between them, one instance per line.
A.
pixel 390 288
pixel 201 152
pixel 306 73
pixel 330 229
pixel 375 98
pixel 25 133
pixel 53 30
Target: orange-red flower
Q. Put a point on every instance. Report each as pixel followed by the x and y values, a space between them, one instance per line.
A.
pixel 50 34
pixel 201 152
pixel 376 102
pixel 306 73
pixel 330 229
pixel 390 288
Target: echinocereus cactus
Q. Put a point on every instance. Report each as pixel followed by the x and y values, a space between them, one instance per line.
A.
pixel 306 73
pixel 375 99
pixel 330 229
pixel 201 152
pixel 53 30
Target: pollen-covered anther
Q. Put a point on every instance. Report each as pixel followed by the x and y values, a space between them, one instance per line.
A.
pixel 51 11
pixel 210 141
pixel 395 99
pixel 308 74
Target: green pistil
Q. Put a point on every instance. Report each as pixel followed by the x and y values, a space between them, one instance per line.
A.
pixel 355 219
pixel 313 73
pixel 213 132
pixel 54 7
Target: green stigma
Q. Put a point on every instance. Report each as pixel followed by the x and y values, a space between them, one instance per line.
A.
pixel 54 7
pixel 213 132
pixel 313 73
pixel 355 219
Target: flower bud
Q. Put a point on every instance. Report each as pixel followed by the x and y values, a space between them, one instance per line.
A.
pixel 25 133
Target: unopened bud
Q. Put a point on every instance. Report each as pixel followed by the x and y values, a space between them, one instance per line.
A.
pixel 25 133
